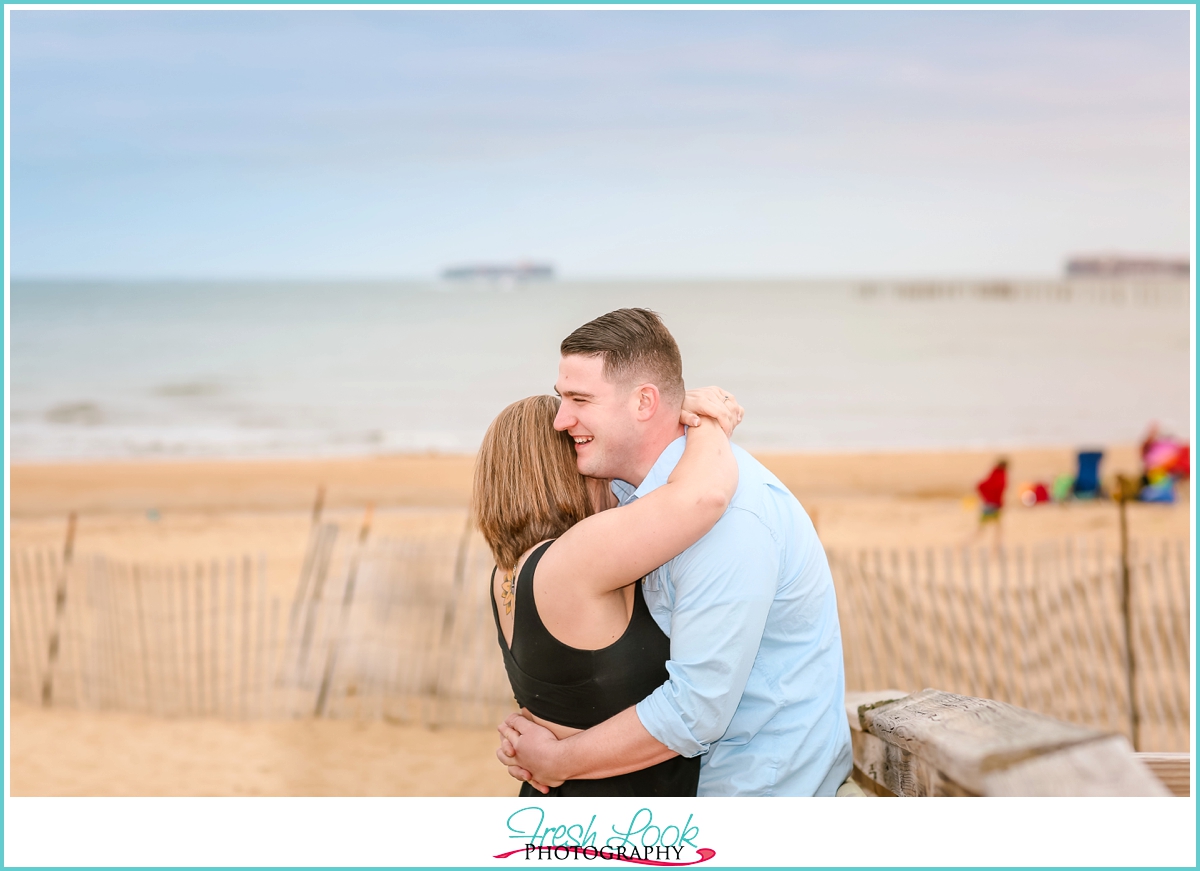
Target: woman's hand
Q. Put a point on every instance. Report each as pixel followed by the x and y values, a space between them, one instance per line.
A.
pixel 711 402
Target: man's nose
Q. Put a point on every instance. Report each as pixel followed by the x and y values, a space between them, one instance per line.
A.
pixel 564 420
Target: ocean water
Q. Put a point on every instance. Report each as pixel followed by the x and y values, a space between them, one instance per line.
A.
pixel 104 370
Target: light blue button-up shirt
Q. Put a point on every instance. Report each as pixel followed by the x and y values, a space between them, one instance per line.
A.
pixel 757 683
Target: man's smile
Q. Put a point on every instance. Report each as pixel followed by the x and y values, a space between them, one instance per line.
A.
pixel 582 440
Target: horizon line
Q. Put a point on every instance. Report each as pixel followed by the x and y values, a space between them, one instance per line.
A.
pixel 582 278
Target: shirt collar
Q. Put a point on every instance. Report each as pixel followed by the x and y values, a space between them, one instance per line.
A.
pixel 655 478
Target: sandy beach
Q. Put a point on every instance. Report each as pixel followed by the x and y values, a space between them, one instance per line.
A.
pixel 113 753
pixel 184 511
pixel 197 510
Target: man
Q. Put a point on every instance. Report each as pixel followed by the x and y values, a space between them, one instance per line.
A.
pixel 756 676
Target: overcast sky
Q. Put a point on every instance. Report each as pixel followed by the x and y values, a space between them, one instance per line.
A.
pixel 391 143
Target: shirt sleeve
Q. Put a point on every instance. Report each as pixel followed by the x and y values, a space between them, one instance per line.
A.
pixel 724 588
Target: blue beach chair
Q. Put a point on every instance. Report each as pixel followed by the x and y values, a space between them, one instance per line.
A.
pixel 1087 479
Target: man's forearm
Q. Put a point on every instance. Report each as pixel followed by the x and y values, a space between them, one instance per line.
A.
pixel 619 745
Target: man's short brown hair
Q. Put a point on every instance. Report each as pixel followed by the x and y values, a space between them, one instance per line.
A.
pixel 635 345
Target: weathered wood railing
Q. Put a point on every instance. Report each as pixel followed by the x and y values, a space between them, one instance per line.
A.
pixel 934 743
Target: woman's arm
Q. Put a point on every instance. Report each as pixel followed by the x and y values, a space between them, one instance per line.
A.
pixel 614 548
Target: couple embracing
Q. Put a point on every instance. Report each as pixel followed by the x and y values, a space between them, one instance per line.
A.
pixel 664 607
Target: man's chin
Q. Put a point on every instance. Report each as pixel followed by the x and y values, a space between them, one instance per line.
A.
pixel 589 468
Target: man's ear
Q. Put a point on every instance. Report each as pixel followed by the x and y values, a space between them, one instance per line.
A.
pixel 648 400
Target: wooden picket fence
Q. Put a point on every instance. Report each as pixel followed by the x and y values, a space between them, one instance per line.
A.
pixel 401 629
pixel 1043 628
pixel 98 633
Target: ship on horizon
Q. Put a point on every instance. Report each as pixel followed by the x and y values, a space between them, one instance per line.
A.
pixel 506 273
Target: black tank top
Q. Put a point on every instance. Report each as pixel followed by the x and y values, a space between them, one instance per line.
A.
pixel 583 688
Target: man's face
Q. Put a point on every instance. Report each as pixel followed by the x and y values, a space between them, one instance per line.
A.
pixel 600 416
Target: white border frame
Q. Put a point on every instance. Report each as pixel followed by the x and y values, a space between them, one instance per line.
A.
pixel 469 831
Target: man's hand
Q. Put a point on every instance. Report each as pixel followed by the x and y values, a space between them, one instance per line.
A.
pixel 711 402
pixel 529 751
pixel 507 756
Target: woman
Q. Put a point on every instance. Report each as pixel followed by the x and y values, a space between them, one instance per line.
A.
pixel 578 640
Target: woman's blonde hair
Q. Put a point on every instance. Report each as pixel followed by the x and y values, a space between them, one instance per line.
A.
pixel 527 488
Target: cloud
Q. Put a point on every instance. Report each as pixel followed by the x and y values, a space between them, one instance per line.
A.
pixel 392 112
